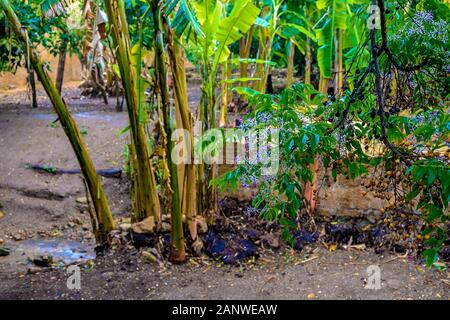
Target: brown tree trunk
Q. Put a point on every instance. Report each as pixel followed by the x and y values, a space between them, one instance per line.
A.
pixel 32 82
pixel 61 68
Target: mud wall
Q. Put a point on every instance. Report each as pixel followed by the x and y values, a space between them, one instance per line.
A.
pixel 348 198
pixel 72 72
pixel 345 197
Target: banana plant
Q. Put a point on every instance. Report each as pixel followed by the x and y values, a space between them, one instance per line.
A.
pixel 285 23
pixel 270 13
pixel 227 80
pixel 146 202
pixel 186 172
pixel 333 38
pixel 101 219
pixel 244 53
pixel 296 29
pixel 173 191
pixel 208 25
pixel 308 12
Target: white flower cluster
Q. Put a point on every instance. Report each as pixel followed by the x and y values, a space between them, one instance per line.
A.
pixel 425 25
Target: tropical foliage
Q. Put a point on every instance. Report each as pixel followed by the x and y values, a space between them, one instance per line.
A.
pixel 372 97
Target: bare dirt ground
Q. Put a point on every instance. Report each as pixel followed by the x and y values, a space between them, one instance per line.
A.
pixel 43 206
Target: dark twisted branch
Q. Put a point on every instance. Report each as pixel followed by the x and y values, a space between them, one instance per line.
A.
pixel 385 47
pixel 352 96
pixel 379 92
pixel 374 66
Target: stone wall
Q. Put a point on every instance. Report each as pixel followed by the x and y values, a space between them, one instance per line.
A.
pixel 348 198
pixel 342 198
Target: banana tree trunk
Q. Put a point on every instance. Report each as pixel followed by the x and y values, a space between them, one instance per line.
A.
pixel 230 76
pixel 104 221
pixel 187 172
pixel 323 85
pixel 261 71
pixel 178 253
pixel 339 61
pixel 211 204
pixel 245 44
pixel 308 61
pixel 261 55
pixel 146 202
pixel 207 195
pixel 290 68
pixel 224 96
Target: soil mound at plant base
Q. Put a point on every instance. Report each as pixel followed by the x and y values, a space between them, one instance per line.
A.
pixel 230 251
pixel 240 234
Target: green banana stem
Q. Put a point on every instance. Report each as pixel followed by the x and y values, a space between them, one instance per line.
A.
pixel 339 61
pixel 146 202
pixel 224 96
pixel 187 172
pixel 245 44
pixel 178 253
pixel 290 69
pixel 308 61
